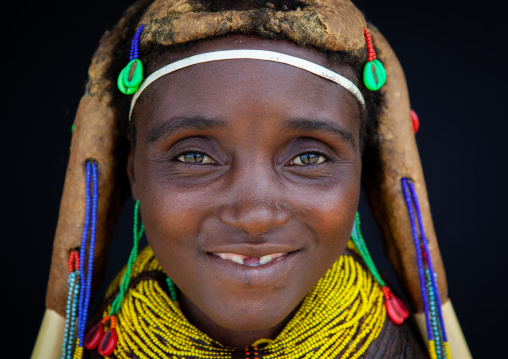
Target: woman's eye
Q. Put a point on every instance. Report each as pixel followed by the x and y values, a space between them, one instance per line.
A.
pixel 308 159
pixel 195 157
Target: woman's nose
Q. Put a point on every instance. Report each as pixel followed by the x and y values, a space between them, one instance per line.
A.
pixel 254 215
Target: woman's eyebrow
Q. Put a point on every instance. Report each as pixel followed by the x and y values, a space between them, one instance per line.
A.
pixel 176 124
pixel 306 125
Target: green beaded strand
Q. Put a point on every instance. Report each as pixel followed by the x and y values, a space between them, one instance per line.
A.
pixel 172 291
pixel 124 286
pixel 357 238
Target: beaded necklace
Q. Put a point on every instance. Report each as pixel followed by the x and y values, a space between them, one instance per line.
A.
pixel 340 317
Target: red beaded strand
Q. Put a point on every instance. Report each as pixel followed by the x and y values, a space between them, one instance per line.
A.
pixel 370 47
pixel 248 352
pixel 73 262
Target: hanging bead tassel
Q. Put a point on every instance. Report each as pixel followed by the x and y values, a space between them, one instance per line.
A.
pixel 109 340
pixel 132 75
pixel 438 341
pixel 374 73
pixel 395 308
pixel 87 241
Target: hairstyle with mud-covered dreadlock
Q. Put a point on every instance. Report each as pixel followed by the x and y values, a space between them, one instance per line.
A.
pixel 152 51
pixel 335 27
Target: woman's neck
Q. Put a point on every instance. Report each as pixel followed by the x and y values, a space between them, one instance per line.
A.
pixel 225 336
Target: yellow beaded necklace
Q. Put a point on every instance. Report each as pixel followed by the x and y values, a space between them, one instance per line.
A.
pixel 339 317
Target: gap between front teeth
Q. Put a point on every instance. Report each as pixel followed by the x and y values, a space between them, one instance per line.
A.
pixel 236 258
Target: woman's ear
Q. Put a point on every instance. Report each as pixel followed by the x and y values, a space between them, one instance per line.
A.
pixel 130 173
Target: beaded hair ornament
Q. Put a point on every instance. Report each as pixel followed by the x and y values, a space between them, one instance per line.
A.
pixel 131 77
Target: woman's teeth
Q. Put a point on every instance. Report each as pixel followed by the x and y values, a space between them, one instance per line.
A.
pixel 249 261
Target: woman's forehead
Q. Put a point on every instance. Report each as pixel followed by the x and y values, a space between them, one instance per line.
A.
pixel 253 42
pixel 223 89
pixel 248 94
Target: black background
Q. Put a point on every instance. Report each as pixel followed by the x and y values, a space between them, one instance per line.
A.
pixel 455 60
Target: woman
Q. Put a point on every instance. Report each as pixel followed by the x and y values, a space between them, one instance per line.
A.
pixel 247 174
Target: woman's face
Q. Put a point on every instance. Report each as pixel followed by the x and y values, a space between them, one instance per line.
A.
pixel 248 177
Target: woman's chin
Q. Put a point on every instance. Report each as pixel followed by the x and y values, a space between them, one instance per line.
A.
pixel 262 318
pixel 251 323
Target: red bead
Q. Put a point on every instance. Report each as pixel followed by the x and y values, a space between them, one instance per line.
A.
pixel 94 336
pixel 108 343
pixel 416 121
pixel 370 48
pixel 395 308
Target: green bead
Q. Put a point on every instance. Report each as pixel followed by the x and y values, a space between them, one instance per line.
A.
pixel 374 75
pixel 133 75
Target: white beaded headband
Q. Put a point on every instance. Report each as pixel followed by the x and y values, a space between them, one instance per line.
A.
pixel 249 54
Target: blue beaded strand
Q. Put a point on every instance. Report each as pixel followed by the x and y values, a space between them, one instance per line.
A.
pixel 92 196
pixel 419 259
pixel 135 44
pixel 425 242
pixel 91 250
pixel 82 255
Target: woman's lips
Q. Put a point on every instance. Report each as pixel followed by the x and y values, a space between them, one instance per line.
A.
pixel 249 261
pixel 253 272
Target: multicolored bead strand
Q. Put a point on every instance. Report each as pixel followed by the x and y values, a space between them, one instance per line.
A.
pixel 72 304
pixel 438 341
pixel 92 197
pixel 374 73
pixel 395 308
pixel 132 75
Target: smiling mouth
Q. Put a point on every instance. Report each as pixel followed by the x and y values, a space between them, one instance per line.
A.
pixel 249 261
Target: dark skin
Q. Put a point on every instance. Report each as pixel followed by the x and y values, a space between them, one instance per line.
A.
pixel 245 159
